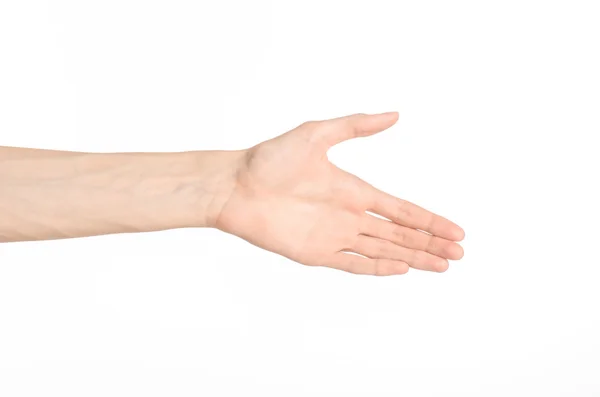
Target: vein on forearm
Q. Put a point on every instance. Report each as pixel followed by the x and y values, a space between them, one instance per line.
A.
pixel 67 194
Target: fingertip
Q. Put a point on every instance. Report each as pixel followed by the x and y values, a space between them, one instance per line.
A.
pixel 385 120
pixel 457 252
pixel 402 268
pixel 388 267
pixel 441 266
pixel 458 234
pixel 393 116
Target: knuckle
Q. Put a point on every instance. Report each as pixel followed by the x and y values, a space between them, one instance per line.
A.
pixel 400 235
pixel 311 133
pixel 383 248
pixel 430 244
pixel 419 256
pixel 377 268
pixel 401 212
pixel 308 124
pixel 431 222
pixel 350 123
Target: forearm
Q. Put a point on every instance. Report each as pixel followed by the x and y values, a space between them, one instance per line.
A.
pixel 50 194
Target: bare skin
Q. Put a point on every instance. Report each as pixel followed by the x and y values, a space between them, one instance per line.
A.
pixel 282 195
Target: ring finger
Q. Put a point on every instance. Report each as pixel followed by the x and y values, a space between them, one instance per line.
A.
pixel 377 248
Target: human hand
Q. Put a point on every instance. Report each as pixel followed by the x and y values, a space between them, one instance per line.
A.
pixel 289 199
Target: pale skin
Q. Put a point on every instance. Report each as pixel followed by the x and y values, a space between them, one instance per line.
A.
pixel 283 195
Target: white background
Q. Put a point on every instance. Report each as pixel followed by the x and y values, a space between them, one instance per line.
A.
pixel 500 114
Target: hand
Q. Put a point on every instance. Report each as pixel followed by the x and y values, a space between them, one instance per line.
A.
pixel 288 198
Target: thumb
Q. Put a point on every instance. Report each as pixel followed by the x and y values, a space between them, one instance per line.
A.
pixel 356 125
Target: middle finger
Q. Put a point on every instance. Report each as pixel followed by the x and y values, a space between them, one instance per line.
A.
pixel 410 238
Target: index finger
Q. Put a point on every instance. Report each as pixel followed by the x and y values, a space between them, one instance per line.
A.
pixel 411 215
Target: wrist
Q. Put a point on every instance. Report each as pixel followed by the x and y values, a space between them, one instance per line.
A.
pixel 213 184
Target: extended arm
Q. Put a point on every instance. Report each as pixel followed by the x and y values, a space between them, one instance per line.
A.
pixel 282 195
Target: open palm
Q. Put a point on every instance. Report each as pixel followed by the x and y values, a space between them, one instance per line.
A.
pixel 289 199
